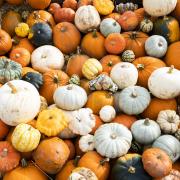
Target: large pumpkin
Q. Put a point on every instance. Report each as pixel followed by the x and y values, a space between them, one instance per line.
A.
pixel 176 12
pixel 4 129
pixel 42 4
pixel 15 2
pixel 66 37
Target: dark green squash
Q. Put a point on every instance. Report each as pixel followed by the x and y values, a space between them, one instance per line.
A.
pixel 129 167
pixel 168 27
pixel 136 147
pixel 35 79
pixel 40 34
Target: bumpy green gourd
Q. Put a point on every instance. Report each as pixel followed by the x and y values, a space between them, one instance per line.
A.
pixel 123 7
pixel 74 79
pixel 128 56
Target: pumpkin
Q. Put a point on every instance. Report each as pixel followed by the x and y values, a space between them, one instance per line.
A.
pixel 174 175
pixel 9 157
pixel 12 110
pixel 5 42
pixel 102 97
pixel 10 21
pixel 149 128
pixel 125 120
pixel 108 62
pixel 40 16
pixel 169 121
pixel 170 145
pixel 156 162
pixel 9 70
pixel 20 55
pixel 74 79
pixel 84 83
pixel 146 25
pixel 42 4
pixel 168 27
pixel 86 143
pixel 93 45
pixel 146 66
pixel 128 21
pixel 53 7
pixel 47 58
pixel 91 68
pixel 67 134
pixel 128 56
pixel 114 16
pixel 98 123
pixel 51 155
pixel 14 2
pixel 82 121
pixel 176 12
pixel 124 74
pixel 4 129
pixel 51 122
pixel 96 163
pixel 70 4
pixel 169 79
pixel 87 18
pixel 129 166
pixel 84 2
pixel 115 43
pixel 140 13
pixel 25 70
pixel 173 55
pixel 135 41
pixel 160 8
pixel 22 30
pixel 44 106
pixel 134 100
pixel 25 138
pixel 108 26
pixel 71 147
pixel 51 81
pixel 63 33
pixel 79 152
pixel 109 137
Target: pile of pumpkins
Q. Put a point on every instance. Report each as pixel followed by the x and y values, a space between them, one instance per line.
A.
pixel 90 90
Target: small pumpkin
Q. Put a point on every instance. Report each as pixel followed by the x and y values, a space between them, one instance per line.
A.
pixel 128 56
pixel 114 16
pixel 71 149
pixel 70 4
pixel 84 2
pixel 53 7
pixel 4 129
pixel 146 25
pixel 86 143
pixel 123 7
pixel 42 4
pixel 22 30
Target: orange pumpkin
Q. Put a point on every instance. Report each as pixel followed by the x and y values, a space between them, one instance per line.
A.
pixel 176 12
pixel 71 149
pixel 135 41
pixel 4 129
pixel 79 152
pixel 145 67
pixel 93 45
pixel 51 81
pixel 84 3
pixel 20 55
pixel 156 105
pixel 115 16
pixel 85 85
pixel 70 4
pixel 124 119
pixel 140 13
pixel 99 165
pixel 15 2
pixel 5 42
pixel 25 70
pixel 176 165
pixel 98 99
pixel 115 43
pixel 53 7
pixel 99 122
pixel 41 4
pixel 66 37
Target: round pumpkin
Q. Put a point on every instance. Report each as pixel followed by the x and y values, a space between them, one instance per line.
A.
pixel 4 129
pixel 42 4
pixel 70 4
pixel 176 12
pixel 71 149
pixel 15 2
pixel 53 7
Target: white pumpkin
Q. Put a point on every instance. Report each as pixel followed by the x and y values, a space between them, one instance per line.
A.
pixel 47 58
pixel 107 113
pixel 86 143
pixel 124 74
pixel 112 140
pixel 160 7
pixel 20 102
pixel 145 131
pixel 82 121
pixel 164 83
pixel 87 18
pixel 70 97
pixel 168 121
pixel 156 46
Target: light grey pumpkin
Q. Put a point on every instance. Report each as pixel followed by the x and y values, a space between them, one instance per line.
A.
pixel 170 145
pixel 145 131
pixel 128 56
pixel 108 26
pixel 134 100
pixel 156 46
pixel 146 25
pixel 9 70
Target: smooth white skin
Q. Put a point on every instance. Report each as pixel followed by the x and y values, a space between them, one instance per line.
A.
pixel 107 113
pixel 47 58
pixel 86 143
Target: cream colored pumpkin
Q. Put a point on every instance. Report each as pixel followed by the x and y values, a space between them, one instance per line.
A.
pixel 160 7
pixel 25 138
pixel 87 18
pixel 168 121
pixel 47 58
pixel 19 102
pixel 70 97
pixel 107 113
pixel 86 143
pixel 164 83
pixel 112 140
pixel 82 121
pixel 124 74
pixel 91 68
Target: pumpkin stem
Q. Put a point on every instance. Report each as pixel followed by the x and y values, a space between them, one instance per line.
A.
pixel 113 136
pixel 24 163
pixel 171 119
pixel 63 29
pixel 103 161
pixel 70 87
pixel 14 90
pixel 17 55
pixel 110 63
pixel 114 23
pixel 147 122
pixel 133 35
pixel 78 50
pixel 140 66
pixel 56 79
pixel 75 162
pixel 160 44
pixel 36 15
pixel 171 69
pixel 134 94
pixel 94 33
pixel 132 170
pixel 4 152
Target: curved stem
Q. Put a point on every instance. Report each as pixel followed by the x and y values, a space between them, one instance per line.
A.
pixel 94 33
pixel 14 90
pixel 132 170
pixel 171 69
pixel 24 163
pixel 140 66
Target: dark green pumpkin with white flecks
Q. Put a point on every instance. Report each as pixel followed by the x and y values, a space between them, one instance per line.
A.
pixel 129 167
pixel 146 25
pixel 9 70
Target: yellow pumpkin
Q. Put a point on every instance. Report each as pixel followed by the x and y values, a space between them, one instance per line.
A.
pixel 104 7
pixel 51 122
pixel 22 30
pixel 25 138
pixel 91 68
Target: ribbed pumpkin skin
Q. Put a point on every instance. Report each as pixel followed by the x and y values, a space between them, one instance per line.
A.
pixel 41 4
